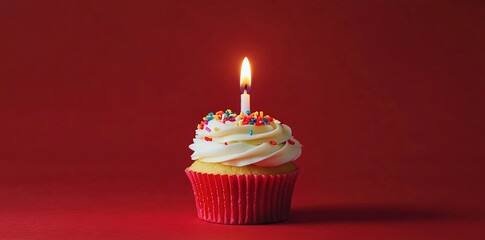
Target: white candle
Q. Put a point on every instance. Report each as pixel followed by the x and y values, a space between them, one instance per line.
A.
pixel 245 84
pixel 245 103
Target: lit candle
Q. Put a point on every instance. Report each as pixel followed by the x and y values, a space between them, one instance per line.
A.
pixel 245 84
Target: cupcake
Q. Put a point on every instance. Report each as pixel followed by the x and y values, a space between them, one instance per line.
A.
pixel 243 170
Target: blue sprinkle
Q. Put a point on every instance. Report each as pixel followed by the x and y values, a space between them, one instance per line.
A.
pixel 248 112
pixel 250 132
pixel 265 120
pixel 208 118
pixel 211 114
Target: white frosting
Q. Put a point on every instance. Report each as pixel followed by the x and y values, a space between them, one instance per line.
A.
pixel 242 148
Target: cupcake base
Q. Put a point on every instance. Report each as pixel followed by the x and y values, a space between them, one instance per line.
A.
pixel 242 199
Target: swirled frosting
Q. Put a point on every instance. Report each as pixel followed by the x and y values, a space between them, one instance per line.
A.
pixel 238 140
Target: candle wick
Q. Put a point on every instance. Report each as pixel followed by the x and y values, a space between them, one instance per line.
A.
pixel 245 89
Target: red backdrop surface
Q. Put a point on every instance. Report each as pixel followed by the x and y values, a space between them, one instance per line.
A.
pixel 99 101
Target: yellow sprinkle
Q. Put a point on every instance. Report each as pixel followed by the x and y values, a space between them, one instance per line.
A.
pixel 217 117
pixel 241 114
pixel 261 113
pixel 198 126
pixel 229 110
pixel 256 113
pixel 203 118
pixel 216 129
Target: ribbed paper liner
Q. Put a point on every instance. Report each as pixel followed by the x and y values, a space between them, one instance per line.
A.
pixel 242 199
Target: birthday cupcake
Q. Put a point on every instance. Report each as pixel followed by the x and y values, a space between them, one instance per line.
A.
pixel 243 170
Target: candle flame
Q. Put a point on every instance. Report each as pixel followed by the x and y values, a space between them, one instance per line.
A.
pixel 245 82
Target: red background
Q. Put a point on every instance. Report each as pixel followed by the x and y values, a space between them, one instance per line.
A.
pixel 99 101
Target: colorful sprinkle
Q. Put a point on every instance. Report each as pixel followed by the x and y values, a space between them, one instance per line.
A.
pixel 207 129
pixel 291 142
pixel 216 129
pixel 256 118
pixel 225 143
pixel 251 132
pixel 208 139
pixel 272 142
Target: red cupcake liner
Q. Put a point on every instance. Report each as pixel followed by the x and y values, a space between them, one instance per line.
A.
pixel 242 199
